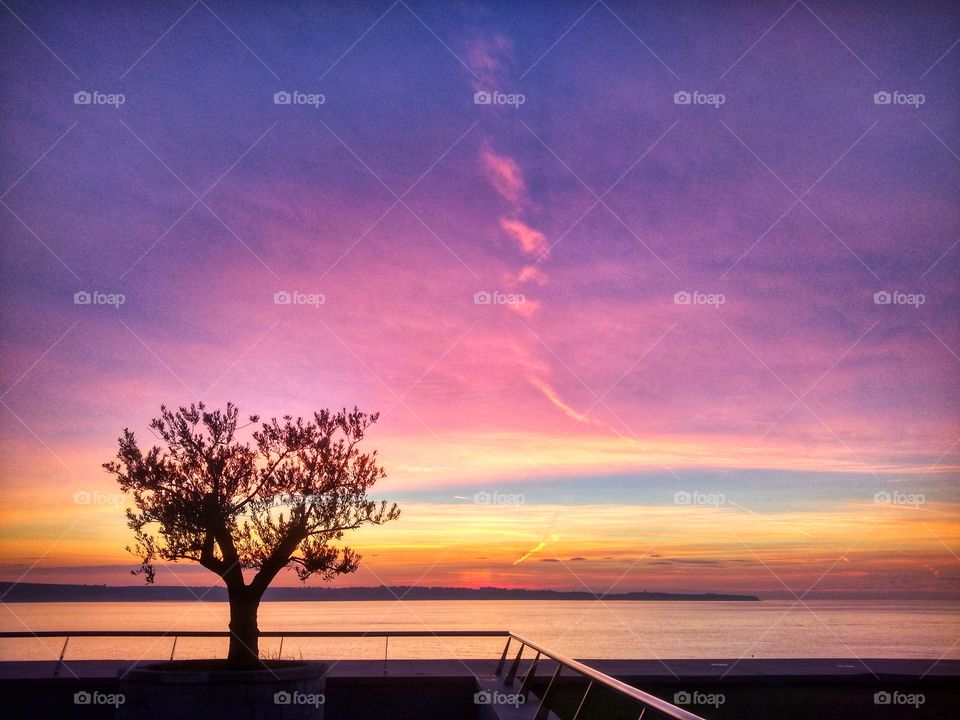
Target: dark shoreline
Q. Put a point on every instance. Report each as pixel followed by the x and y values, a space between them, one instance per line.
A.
pixel 44 592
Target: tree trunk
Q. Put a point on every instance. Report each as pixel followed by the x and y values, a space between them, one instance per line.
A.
pixel 244 633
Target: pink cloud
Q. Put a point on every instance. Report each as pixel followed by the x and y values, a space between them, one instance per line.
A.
pixel 531 241
pixel 505 176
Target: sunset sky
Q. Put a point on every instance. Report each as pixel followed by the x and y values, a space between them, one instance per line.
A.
pixel 786 431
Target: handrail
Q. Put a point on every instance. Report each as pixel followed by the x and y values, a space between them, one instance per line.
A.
pixel 594 676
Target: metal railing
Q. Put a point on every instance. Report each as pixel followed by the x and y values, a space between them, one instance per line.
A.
pixel 594 677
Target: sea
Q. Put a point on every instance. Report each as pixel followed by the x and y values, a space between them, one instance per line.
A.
pixel 579 629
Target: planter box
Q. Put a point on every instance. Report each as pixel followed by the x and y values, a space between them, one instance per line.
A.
pixel 188 690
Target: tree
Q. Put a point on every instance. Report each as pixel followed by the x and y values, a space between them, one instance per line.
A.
pixel 286 500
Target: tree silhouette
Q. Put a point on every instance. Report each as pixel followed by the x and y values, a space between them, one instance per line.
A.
pixel 286 500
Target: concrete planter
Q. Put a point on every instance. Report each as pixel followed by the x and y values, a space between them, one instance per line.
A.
pixel 188 690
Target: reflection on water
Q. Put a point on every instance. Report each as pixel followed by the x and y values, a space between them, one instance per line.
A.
pixel 581 629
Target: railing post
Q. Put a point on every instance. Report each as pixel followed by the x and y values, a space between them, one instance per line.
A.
pixel 508 681
pixel 386 646
pixel 174 648
pixel 280 653
pixel 503 657
pixel 63 651
pixel 544 708
pixel 528 678
pixel 583 701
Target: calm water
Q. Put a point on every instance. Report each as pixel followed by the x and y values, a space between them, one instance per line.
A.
pixel 865 629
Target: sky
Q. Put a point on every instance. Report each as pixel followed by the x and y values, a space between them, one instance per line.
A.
pixel 650 296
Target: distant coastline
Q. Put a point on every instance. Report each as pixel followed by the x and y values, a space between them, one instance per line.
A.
pixel 48 592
